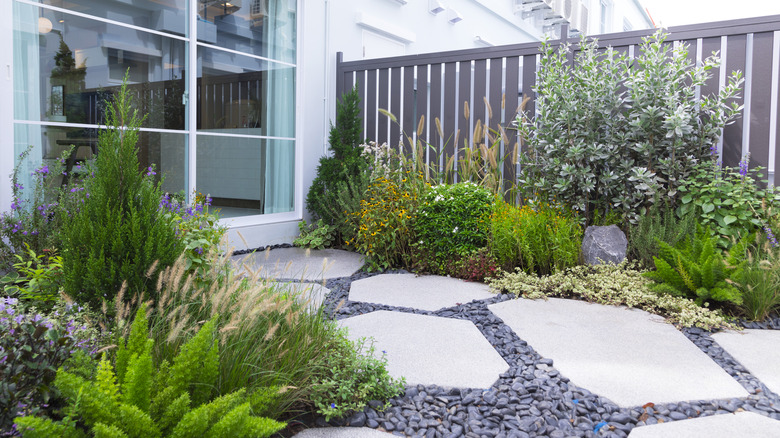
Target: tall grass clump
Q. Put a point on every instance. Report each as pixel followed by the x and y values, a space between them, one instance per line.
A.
pixel 118 230
pixel 267 336
pixel 760 282
pixel 539 239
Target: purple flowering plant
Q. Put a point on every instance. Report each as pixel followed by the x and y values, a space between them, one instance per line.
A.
pixel 35 344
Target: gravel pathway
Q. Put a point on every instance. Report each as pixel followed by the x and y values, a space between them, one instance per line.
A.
pixel 531 399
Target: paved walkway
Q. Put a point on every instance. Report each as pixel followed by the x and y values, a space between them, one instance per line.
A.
pixel 628 357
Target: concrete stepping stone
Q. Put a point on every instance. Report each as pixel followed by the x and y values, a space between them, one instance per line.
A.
pixel 451 353
pixel 739 425
pixel 756 350
pixel 627 355
pixel 311 293
pixel 342 432
pixel 302 264
pixel 427 292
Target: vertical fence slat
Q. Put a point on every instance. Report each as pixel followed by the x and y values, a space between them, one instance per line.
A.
pixel 435 112
pixel 464 97
pixel 761 99
pixel 529 79
pixel 511 103
pixel 480 88
pixel 495 91
pixel 371 106
pixel 409 121
pixel 422 102
pixel 383 123
pixel 732 134
pixel 712 86
pixel 449 113
pixel 360 83
pixel 395 105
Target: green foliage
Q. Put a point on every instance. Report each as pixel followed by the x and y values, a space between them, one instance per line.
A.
pixel 135 344
pixel 727 200
pixel 386 233
pixel 118 232
pixel 610 133
pixel 659 224
pixel 33 346
pixel 314 236
pixel 39 427
pixel 198 230
pixel 539 239
pixel 344 390
pixel 696 269
pixel 617 285
pixel 111 410
pixel 37 213
pixel 760 282
pixel 340 176
pixel 452 220
pixel 37 276
pixel 478 266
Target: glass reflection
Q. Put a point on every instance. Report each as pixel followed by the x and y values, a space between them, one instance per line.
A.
pixel 243 95
pixel 162 15
pixel 246 176
pixel 66 72
pixel 260 27
pixel 165 151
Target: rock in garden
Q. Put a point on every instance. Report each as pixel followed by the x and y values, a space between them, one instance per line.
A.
pixel 604 245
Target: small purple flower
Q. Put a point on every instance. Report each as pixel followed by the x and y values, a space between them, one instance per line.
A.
pixel 43 171
pixel 150 171
pixel 333 405
pixel 743 167
pixel 771 236
pixel 15 205
pixel 18 186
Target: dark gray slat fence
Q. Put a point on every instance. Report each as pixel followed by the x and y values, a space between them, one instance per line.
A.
pixel 759 31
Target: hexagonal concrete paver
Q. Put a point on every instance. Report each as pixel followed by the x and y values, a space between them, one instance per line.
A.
pixel 302 264
pixel 626 355
pixel 313 294
pixel 430 349
pixel 739 425
pixel 756 350
pixel 427 292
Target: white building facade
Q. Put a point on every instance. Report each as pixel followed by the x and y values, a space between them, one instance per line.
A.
pixel 238 95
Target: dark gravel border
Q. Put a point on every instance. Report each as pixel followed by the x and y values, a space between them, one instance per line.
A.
pixel 532 399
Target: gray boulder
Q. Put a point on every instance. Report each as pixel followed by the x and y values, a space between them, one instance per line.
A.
pixel 604 245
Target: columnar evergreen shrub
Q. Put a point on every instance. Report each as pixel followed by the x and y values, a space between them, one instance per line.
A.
pixel 611 134
pixel 118 232
pixel 342 177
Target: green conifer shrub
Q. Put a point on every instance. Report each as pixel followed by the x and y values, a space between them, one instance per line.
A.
pixel 341 177
pixel 118 231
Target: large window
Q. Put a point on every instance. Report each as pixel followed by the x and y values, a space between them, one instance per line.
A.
pixel 221 122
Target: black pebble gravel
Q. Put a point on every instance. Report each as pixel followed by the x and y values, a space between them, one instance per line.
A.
pixel 532 399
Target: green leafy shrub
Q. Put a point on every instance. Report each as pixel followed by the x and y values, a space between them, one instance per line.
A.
pixel 32 347
pixel 611 134
pixel 386 233
pixel 338 187
pixel 696 269
pixel 314 236
pixel 453 220
pixel 617 285
pixel 659 224
pixel 478 266
pixel 727 200
pixel 344 391
pixel 540 239
pixel 37 277
pixel 118 232
pixel 147 401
